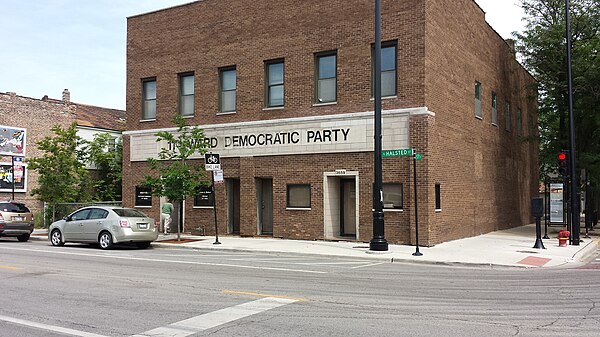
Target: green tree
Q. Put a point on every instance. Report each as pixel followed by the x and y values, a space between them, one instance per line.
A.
pixel 62 174
pixel 543 49
pixel 175 178
pixel 105 153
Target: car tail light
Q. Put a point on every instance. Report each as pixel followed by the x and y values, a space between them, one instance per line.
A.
pixel 31 217
pixel 1 225
pixel 124 223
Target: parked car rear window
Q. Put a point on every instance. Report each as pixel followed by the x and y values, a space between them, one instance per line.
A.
pixel 129 213
pixel 14 207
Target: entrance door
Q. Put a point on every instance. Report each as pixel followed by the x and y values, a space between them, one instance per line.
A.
pixel 348 207
pixel 264 198
pixel 233 205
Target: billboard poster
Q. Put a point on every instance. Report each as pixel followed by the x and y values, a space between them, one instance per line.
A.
pixel 12 141
pixel 556 203
pixel 6 178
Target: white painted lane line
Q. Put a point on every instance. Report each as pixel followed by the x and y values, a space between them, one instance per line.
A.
pixel 213 319
pixel 329 263
pixel 169 261
pixel 368 265
pixel 47 327
pixel 273 259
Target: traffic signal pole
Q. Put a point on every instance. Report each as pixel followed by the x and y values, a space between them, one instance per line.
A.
pixel 574 195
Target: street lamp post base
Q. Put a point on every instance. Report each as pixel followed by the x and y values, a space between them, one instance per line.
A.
pixel 539 244
pixel 378 244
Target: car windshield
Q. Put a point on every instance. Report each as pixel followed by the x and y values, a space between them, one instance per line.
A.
pixel 129 213
pixel 14 207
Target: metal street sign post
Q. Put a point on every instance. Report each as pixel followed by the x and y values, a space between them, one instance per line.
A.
pixel 212 163
pixel 416 253
pixel 416 156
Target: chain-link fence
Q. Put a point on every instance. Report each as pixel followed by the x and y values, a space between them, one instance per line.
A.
pixel 60 210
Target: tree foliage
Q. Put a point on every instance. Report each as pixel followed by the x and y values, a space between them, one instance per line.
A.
pixel 105 153
pixel 174 177
pixel 543 49
pixel 62 174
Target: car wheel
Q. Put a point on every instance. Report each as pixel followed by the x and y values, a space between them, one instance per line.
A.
pixel 56 238
pixel 142 245
pixel 105 240
pixel 23 238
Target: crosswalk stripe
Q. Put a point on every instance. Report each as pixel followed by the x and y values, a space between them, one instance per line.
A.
pixel 213 319
pixel 65 331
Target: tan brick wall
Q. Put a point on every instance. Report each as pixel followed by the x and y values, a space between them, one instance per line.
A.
pixel 37 116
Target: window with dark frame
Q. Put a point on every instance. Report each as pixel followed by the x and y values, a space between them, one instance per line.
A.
pixel 143 196
pixel 186 94
pixel 494 108
pixel 149 98
pixel 389 56
pixel 392 195
pixel 478 95
pixel 438 197
pixel 204 197
pixel 326 70
pixel 298 196
pixel 227 97
pixel 274 77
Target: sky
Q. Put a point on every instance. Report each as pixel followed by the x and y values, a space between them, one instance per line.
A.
pixel 51 45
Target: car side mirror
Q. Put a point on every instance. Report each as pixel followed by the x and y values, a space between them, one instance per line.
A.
pixel 67 218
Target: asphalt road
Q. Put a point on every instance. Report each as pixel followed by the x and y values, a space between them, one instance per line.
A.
pixel 80 290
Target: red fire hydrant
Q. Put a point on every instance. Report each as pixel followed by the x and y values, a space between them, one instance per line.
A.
pixel 563 237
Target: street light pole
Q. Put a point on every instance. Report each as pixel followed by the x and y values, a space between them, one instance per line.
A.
pixel 378 242
pixel 574 196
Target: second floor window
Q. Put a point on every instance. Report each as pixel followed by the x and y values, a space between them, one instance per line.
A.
pixel 326 68
pixel 186 94
pixel 227 99
pixel 149 99
pixel 388 69
pixel 478 99
pixel 274 84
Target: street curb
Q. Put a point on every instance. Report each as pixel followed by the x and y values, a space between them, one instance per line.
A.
pixel 578 258
pixel 389 260
pixel 588 250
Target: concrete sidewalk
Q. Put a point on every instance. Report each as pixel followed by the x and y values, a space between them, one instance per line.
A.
pixel 507 248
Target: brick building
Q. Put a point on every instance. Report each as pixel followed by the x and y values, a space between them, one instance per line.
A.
pixel 283 93
pixel 36 117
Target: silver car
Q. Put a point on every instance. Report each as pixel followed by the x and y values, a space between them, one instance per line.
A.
pixel 15 220
pixel 104 225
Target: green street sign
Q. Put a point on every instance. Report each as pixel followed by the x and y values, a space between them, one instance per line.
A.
pixel 418 156
pixel 396 153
